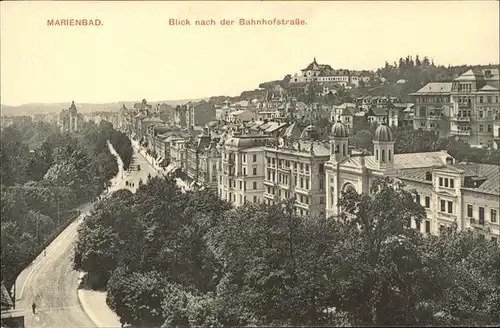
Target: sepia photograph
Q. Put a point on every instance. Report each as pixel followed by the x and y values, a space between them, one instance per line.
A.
pixel 250 164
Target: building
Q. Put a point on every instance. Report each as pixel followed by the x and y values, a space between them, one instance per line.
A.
pixel 295 169
pixel 465 194
pixel 69 120
pixel 432 108
pixel 199 114
pixel 465 108
pixel 239 116
pixel 241 169
pixel 202 159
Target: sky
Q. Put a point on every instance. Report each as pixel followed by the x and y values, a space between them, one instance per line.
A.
pixel 136 54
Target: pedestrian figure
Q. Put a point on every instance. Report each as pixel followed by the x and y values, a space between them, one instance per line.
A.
pixel 33 307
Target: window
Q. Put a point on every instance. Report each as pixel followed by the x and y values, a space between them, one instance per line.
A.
pixel 245 185
pixel 322 200
pixel 301 182
pixel 244 158
pixel 443 206
pixel 427 226
pixel 376 154
pixel 307 183
pixel 321 184
pixel 255 185
pixel 427 202
pixel 241 185
pixel 446 183
pixel 469 211
pixel 244 171
pixel 440 182
pixel 321 168
pixel 490 128
pixel 481 128
pixel 450 207
pixel 428 176
pixel 441 228
pixel 254 158
pixel 452 183
pixel 383 155
pixel 481 215
pixel 493 216
pixel 254 171
pixel 417 199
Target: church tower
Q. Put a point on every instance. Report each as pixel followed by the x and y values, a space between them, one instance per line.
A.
pixel 339 142
pixel 73 118
pixel 383 147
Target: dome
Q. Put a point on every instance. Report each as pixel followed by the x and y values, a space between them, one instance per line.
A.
pixel 383 134
pixel 339 130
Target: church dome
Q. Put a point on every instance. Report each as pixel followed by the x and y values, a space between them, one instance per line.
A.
pixel 383 134
pixel 339 130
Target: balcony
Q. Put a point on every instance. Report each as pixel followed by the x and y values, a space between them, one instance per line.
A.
pixel 460 118
pixel 435 118
pixel 460 132
pixel 476 223
pixel 268 195
pixel 269 182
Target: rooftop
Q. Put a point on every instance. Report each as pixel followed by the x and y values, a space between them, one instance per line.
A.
pixel 434 88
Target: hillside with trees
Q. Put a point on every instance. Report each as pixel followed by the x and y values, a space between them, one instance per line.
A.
pixel 45 174
pixel 169 258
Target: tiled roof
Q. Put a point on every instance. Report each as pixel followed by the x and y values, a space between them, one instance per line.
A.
pixel 435 87
pixel 319 148
pixel 406 161
pixel 488 87
pixel 470 75
pixel 377 111
pixel 488 171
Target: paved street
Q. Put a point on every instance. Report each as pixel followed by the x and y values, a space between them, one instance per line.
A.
pixel 52 283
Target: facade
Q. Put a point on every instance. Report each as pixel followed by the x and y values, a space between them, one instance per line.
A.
pixel 295 169
pixel 325 74
pixel 241 169
pixel 466 194
pixel 69 120
pixel 465 108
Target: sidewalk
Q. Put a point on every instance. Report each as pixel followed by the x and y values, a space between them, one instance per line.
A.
pixel 94 305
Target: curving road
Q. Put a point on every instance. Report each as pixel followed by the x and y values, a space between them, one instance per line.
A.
pixel 52 283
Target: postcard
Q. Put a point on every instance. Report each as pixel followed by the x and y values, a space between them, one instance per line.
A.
pixel 250 163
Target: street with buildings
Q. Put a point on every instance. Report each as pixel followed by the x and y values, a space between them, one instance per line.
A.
pixel 51 282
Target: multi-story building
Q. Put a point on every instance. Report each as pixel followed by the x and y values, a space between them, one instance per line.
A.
pixel 69 120
pixel 465 194
pixel 295 169
pixel 325 74
pixel 241 169
pixel 432 108
pixel 465 108
pixel 194 114
pixel 496 132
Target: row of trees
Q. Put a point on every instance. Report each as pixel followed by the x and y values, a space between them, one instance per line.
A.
pixel 408 140
pixel 169 258
pixel 41 186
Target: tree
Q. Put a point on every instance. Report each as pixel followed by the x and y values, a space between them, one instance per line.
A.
pixel 377 277
pixel 362 139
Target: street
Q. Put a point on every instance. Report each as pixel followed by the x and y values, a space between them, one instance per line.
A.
pixel 52 283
